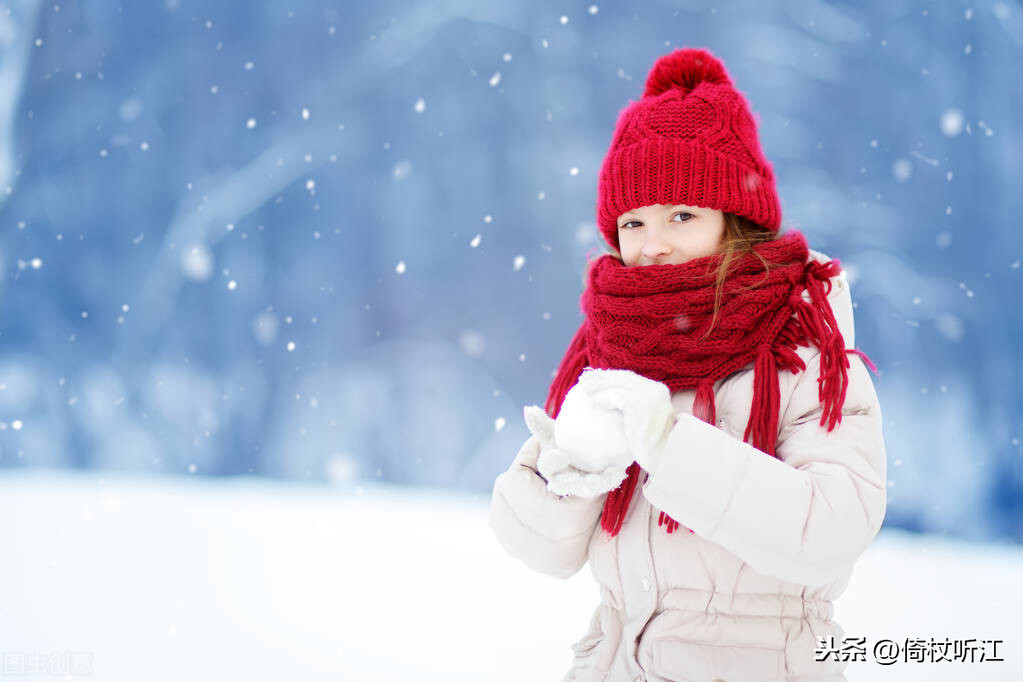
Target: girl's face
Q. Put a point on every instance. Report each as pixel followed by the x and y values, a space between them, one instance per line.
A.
pixel 663 234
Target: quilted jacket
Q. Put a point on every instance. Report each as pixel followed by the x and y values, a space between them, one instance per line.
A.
pixel 747 594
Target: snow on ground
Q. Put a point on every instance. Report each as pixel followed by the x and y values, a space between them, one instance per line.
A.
pixel 205 579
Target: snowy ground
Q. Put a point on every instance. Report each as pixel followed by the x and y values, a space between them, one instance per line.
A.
pixel 199 579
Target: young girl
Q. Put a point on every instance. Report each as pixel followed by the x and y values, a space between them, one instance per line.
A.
pixel 711 441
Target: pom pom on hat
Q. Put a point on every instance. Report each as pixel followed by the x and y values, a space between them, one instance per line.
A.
pixel 685 68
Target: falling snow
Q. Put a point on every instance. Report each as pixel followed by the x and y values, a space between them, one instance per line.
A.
pixel 184 251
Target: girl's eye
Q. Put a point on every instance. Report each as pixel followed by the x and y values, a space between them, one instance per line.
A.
pixel 680 213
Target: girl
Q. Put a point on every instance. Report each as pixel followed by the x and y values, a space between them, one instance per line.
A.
pixel 719 459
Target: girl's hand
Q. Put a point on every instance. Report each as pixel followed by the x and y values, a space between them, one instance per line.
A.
pixel 556 466
pixel 592 436
pixel 645 405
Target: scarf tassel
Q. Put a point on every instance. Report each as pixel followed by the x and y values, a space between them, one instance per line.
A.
pixel 616 504
pixel 762 427
pixel 703 402
pixel 671 524
pixel 819 322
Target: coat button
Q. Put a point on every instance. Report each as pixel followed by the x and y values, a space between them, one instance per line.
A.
pixel 646 584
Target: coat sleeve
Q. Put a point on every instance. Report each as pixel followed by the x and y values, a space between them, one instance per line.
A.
pixel 550 533
pixel 804 516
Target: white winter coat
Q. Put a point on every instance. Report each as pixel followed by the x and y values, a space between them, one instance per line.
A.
pixel 745 598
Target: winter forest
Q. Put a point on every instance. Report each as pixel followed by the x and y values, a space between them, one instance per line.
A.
pixel 277 279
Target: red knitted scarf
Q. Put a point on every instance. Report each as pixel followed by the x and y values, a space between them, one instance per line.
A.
pixel 653 319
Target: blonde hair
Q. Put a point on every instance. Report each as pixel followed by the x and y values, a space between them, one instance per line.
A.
pixel 740 237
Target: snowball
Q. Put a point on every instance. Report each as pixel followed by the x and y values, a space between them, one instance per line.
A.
pixel 592 437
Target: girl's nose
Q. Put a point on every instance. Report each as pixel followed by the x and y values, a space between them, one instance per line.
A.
pixel 655 247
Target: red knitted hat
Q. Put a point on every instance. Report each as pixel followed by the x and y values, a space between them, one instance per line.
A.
pixel 689 140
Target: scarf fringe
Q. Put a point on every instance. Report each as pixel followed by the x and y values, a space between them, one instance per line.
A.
pixel 617 502
pixel 703 403
pixel 763 418
pixel 672 524
pixel 818 320
pixel 863 355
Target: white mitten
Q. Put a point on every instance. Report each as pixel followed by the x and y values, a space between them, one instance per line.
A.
pixel 592 436
pixel 572 481
pixel 647 413
pixel 562 476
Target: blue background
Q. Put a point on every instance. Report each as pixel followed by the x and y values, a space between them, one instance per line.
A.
pixel 199 279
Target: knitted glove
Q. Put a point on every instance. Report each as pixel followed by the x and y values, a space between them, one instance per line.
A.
pixel 645 404
pixel 556 466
